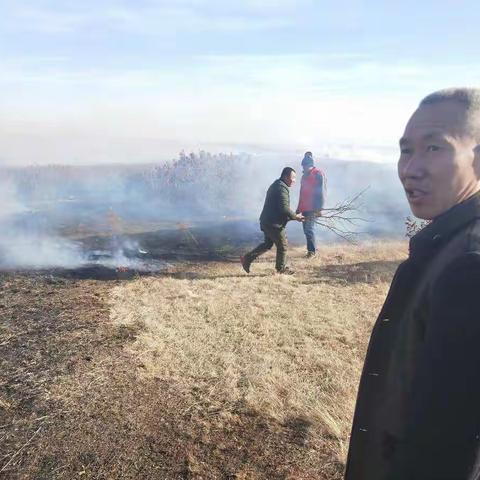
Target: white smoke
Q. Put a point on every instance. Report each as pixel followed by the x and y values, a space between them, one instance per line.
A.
pixel 38 251
pixel 46 213
pixel 9 205
pixel 28 247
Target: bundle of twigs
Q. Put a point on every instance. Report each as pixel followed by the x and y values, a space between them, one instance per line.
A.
pixel 343 218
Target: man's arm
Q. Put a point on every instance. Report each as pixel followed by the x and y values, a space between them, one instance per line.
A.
pixel 299 198
pixel 442 438
pixel 320 189
pixel 285 204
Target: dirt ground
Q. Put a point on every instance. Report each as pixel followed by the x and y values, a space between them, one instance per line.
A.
pixel 83 396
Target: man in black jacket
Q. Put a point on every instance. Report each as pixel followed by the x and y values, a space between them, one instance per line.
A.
pixel 273 219
pixel 418 407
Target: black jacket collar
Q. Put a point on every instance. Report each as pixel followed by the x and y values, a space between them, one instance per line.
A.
pixel 424 243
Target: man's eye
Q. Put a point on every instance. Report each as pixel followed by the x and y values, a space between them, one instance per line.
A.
pixel 405 151
pixel 433 148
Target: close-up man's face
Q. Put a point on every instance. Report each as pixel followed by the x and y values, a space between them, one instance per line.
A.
pixel 438 164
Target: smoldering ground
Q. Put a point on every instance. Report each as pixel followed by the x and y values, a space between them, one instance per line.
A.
pixel 198 204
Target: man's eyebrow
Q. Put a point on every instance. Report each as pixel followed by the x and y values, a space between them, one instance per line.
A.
pixel 425 138
pixel 432 136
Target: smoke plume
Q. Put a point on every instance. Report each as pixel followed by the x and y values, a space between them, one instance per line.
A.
pixel 65 216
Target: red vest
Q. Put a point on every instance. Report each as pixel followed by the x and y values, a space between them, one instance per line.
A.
pixel 308 189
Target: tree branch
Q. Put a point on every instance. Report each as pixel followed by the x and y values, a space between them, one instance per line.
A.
pixel 341 218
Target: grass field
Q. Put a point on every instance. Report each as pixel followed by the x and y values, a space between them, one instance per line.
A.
pixel 202 373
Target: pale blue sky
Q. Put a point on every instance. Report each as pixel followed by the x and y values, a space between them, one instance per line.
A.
pixel 108 81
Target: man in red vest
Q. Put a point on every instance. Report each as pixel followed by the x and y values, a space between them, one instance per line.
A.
pixel 312 199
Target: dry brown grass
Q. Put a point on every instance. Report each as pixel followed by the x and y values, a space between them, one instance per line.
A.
pixel 203 373
pixel 288 347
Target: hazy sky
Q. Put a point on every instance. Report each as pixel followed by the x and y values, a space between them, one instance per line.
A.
pixel 114 81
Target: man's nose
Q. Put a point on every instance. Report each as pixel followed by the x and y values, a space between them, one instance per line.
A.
pixel 411 167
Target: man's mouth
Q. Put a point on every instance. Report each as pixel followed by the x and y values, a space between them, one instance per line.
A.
pixel 415 195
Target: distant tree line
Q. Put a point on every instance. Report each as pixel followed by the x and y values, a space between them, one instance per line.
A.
pixel 196 181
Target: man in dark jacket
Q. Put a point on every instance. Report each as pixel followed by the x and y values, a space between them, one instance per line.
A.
pixel 273 219
pixel 311 200
pixel 418 407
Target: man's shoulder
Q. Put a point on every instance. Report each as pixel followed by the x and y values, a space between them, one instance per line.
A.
pixel 279 185
pixel 459 278
pixel 277 188
pixel 462 252
pixel 467 240
pixel 318 175
pixel 274 185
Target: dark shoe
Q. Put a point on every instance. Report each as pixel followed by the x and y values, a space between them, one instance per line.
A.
pixel 286 271
pixel 310 255
pixel 245 263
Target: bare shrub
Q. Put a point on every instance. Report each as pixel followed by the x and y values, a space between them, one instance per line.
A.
pixel 414 225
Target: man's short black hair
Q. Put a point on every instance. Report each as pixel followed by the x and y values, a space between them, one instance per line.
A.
pixel 286 172
pixel 468 97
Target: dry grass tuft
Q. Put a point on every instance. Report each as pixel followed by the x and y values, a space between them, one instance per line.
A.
pixel 288 347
